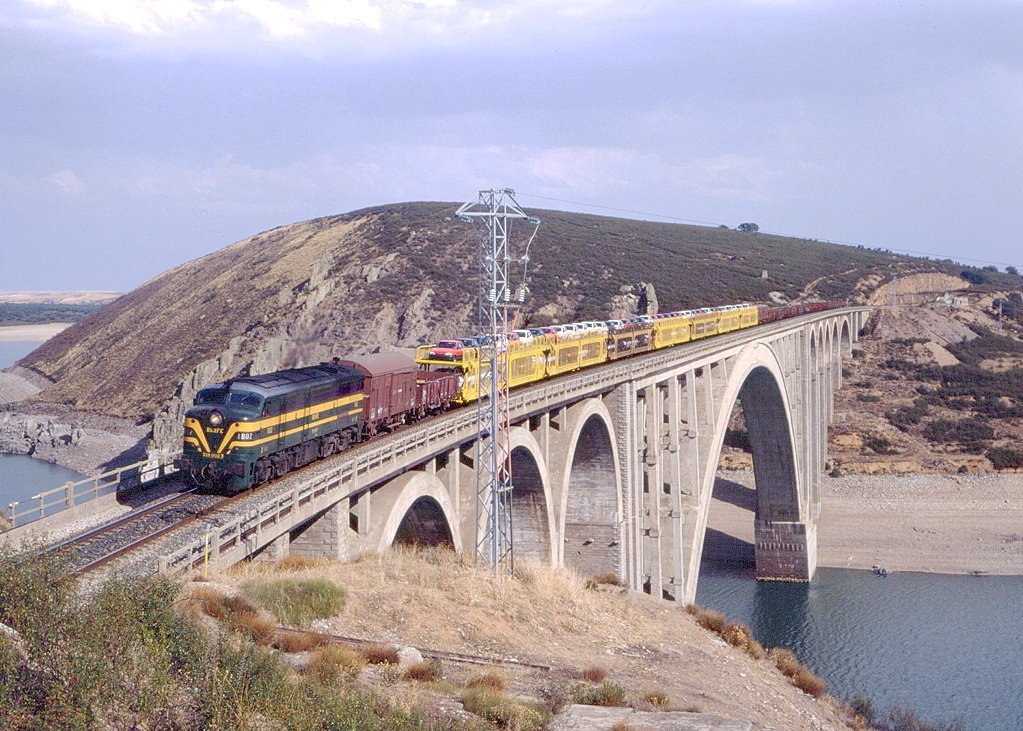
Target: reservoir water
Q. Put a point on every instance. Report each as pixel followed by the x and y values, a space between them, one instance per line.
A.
pixel 946 647
pixel 21 476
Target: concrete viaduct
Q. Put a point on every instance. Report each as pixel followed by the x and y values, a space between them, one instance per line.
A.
pixel 613 467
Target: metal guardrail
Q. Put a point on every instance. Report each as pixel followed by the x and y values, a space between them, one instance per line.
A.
pixel 242 536
pixel 70 494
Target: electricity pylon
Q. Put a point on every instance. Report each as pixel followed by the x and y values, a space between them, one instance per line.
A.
pixel 499 298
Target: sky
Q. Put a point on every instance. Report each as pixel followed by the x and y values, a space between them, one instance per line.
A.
pixel 136 136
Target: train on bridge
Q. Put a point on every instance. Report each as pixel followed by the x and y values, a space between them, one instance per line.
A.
pixel 248 430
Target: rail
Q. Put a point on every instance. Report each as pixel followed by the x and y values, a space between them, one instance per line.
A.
pixel 70 494
pixel 362 467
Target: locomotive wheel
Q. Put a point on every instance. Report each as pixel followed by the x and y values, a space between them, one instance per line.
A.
pixel 262 472
pixel 281 465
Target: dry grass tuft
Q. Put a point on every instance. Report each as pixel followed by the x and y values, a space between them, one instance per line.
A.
pixel 623 726
pixel 710 619
pixel 296 641
pixel 490 680
pixel 428 671
pixel 335 665
pixel 800 675
pixel 657 699
pixel 380 654
pixel 810 683
pixel 594 674
pixel 735 634
pixel 234 611
pixel 298 563
pixel 608 579
pixel 785 660
pixel 739 635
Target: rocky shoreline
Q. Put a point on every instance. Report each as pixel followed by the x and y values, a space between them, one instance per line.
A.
pixel 86 443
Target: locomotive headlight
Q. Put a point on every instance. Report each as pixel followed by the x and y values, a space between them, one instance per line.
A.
pixel 216 418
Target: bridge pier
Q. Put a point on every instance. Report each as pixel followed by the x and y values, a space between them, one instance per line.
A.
pixel 325 536
pixel 785 551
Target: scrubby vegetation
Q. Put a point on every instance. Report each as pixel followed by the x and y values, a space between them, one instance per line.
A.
pixel 17 313
pixel 297 601
pixel 126 656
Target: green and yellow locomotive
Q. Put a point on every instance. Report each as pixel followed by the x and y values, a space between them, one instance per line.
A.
pixel 247 430
pixel 244 431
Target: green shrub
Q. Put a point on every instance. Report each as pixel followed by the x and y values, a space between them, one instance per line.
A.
pixel 297 601
pixel 1004 458
pixel 607 693
pixel 494 706
pixel 335 665
pixel 879 445
pixel 971 434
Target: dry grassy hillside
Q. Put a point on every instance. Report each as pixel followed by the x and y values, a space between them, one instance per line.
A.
pixel 400 275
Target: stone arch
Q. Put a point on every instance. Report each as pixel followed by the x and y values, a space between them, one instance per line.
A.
pixel 591 502
pixel 417 507
pixel 845 339
pixel 532 517
pixel 757 380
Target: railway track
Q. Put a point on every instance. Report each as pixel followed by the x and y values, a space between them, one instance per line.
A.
pixel 97 547
pixel 461 657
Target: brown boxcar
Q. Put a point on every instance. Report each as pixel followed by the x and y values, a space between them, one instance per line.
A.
pixel 389 385
pixel 435 391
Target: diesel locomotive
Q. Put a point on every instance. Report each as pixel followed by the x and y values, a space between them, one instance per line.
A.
pixel 248 430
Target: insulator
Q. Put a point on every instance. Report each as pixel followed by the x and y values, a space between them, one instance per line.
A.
pixel 493 295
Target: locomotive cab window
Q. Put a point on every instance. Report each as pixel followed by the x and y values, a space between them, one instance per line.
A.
pixel 210 396
pixel 245 400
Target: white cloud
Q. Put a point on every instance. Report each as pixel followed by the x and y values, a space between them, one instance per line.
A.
pixel 155 16
pixel 407 23
pixel 67 182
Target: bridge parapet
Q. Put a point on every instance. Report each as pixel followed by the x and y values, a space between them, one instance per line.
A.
pixel 76 500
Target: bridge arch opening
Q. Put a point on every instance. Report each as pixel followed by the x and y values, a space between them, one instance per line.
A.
pixel 530 518
pixel 424 524
pixel 591 533
pixel 760 436
pixel 845 339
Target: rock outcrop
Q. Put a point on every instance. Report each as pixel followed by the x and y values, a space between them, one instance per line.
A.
pixel 64 442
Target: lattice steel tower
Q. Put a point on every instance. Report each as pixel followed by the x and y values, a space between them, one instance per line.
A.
pixel 493 214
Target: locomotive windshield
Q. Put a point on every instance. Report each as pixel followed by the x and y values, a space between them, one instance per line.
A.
pixel 245 400
pixel 210 396
pixel 221 396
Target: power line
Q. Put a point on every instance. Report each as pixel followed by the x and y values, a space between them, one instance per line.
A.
pixel 668 217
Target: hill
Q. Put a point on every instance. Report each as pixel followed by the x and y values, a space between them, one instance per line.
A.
pixel 399 275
